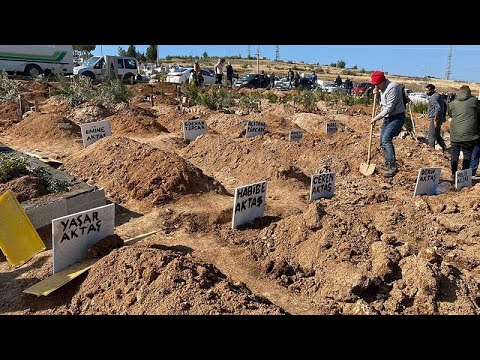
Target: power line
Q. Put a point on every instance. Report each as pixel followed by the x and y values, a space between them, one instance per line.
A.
pixel 248 52
pixel 277 52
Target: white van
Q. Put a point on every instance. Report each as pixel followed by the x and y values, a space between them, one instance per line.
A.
pixel 32 60
pixel 97 67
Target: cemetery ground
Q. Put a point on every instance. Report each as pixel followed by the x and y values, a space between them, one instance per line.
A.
pixel 373 248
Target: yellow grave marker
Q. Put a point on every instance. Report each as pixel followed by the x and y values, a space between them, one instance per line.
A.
pixel 19 240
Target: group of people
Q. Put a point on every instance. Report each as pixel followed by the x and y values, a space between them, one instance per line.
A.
pixel 197 78
pixel 464 112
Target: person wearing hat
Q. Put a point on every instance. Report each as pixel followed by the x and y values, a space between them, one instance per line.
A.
pixel 436 115
pixel 393 115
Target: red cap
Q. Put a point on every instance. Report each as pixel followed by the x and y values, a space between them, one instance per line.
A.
pixel 378 77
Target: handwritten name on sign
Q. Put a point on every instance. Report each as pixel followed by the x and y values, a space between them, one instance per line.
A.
pixel 296 135
pixel 463 178
pixel 322 185
pixel 427 181
pixel 331 127
pixel 94 131
pixel 73 234
pixel 249 203
pixel 193 129
pixel 255 128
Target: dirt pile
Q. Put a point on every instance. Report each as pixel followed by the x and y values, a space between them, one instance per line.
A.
pixel 104 246
pixel 8 114
pixel 135 125
pixel 88 112
pixel 51 127
pixel 132 170
pixel 25 188
pixel 369 252
pixel 160 280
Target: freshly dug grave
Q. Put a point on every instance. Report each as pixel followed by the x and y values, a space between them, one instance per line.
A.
pixel 88 112
pixel 135 125
pixel 154 279
pixel 8 114
pixel 130 170
pixel 26 187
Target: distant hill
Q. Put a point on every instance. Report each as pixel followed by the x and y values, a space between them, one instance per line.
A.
pixel 325 72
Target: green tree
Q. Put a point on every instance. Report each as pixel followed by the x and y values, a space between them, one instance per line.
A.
pixel 121 51
pixel 341 64
pixel 141 57
pixel 131 51
pixel 84 50
pixel 152 53
pixel 204 55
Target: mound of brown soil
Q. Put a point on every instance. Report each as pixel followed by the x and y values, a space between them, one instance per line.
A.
pixel 132 170
pixel 8 114
pixel 135 125
pixel 87 112
pixel 160 280
pixel 171 118
pixel 45 127
pixel 123 109
pixel 25 188
pixel 104 246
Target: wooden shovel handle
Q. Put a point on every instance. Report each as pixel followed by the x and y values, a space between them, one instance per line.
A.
pixel 371 128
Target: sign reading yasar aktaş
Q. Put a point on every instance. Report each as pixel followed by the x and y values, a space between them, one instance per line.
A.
pixel 331 127
pixel 193 129
pixel 255 128
pixel 94 131
pixel 249 203
pixel 463 178
pixel 296 135
pixel 322 185
pixel 427 181
pixel 73 234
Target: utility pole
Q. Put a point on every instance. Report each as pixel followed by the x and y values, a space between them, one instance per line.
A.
pixel 448 70
pixel 248 52
pixel 277 52
pixel 258 59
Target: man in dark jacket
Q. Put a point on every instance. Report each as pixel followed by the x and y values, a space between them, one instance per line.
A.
pixel 436 115
pixel 229 74
pixel 464 129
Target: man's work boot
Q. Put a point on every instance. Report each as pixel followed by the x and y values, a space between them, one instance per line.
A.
pixel 392 169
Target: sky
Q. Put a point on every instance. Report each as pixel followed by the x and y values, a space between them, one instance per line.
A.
pixel 413 60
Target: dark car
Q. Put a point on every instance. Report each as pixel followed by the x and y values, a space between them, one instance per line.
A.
pixel 363 89
pixel 252 81
pixel 305 84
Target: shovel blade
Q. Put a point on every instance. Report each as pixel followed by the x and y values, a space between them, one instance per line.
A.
pixel 367 169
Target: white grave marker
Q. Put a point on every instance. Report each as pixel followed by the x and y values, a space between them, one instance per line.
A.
pixel 94 131
pixel 249 203
pixel 296 135
pixel 463 178
pixel 193 129
pixel 255 128
pixel 331 127
pixel 322 185
pixel 427 181
pixel 73 234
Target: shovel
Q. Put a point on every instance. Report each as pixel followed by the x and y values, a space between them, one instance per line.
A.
pixel 367 168
pixel 414 132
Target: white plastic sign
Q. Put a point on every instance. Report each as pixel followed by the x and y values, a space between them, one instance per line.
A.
pixel 322 185
pixel 249 203
pixel 463 178
pixel 296 135
pixel 331 127
pixel 255 128
pixel 73 234
pixel 193 129
pixel 427 181
pixel 94 131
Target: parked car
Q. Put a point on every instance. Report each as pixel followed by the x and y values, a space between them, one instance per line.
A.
pixel 251 81
pixel 419 97
pixel 182 75
pixel 332 88
pixel 362 89
pixel 283 84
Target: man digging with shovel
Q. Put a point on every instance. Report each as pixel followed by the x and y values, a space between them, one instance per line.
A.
pixel 393 114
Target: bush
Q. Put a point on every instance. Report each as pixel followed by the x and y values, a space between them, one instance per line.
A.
pixel 333 64
pixel 112 91
pixel 75 91
pixel 245 66
pixel 9 89
pixel 319 70
pixel 419 107
pixel 271 97
pixel 363 71
pixel 341 64
pixel 348 72
pixel 10 168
